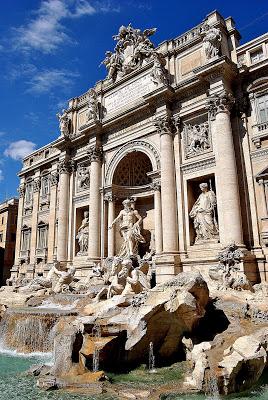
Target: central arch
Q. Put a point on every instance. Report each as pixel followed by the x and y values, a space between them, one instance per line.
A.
pixel 135 146
pixel 132 170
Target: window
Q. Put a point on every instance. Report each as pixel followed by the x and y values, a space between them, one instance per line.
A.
pixel 256 56
pixel 45 186
pixel 3 220
pixel 25 239
pixel 1 237
pixel 42 236
pixel 262 103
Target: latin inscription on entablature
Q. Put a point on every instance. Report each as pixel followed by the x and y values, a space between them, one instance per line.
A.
pixel 128 93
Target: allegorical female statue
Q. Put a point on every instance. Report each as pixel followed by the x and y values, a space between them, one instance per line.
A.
pixel 203 214
pixel 130 221
pixel 82 235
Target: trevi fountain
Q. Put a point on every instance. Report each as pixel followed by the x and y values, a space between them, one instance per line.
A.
pixel 141 256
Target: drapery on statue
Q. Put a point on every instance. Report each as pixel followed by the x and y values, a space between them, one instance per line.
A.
pixel 203 214
pixel 211 41
pixel 82 235
pixel 64 123
pixel 129 230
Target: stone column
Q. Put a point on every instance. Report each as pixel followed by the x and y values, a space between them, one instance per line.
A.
pixel 21 191
pixel 54 177
pixel 166 128
pixel 111 216
pixel 64 183
pixel 228 202
pixel 95 156
pixel 36 194
pixel 168 262
pixel 157 218
pixel 71 232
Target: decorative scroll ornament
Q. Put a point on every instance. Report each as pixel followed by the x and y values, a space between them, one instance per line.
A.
pixel 36 185
pixel 220 102
pixel 197 139
pixel 95 153
pixel 212 39
pixel 93 109
pixel 133 48
pixel 21 190
pixel 54 178
pixel 166 124
pixel 64 167
pixel 64 124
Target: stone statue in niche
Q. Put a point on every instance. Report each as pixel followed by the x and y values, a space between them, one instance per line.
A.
pixel 83 177
pixel 82 235
pixel 92 111
pixel 130 221
pixel 203 215
pixel 197 138
pixel 212 38
pixel 64 123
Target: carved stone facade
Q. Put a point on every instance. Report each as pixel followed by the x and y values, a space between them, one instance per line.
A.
pixel 181 131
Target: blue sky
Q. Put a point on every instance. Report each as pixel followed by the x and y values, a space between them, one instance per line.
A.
pixel 51 50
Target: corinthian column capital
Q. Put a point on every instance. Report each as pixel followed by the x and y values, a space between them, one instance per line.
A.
pixel 64 167
pixel 220 102
pixel 95 153
pixel 21 190
pixel 166 124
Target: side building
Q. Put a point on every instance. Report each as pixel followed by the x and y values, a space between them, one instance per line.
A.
pixel 8 226
pixel 182 130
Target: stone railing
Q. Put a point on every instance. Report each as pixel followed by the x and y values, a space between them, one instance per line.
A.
pixel 188 37
pixel 262 126
pixel 25 255
pixel 41 253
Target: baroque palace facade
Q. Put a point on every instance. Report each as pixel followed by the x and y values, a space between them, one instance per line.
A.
pixel 182 131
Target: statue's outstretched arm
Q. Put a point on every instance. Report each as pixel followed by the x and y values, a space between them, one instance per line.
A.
pixel 116 219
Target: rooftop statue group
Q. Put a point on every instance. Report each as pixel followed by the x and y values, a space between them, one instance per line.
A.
pixel 133 48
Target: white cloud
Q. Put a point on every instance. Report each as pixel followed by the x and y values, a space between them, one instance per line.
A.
pixel 19 149
pixel 46 30
pixel 45 81
pixel 1 175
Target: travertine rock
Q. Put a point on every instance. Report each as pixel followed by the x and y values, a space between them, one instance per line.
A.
pixel 244 362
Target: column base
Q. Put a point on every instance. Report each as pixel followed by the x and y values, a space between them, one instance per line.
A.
pixel 167 265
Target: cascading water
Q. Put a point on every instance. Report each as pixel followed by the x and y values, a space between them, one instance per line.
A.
pixel 96 333
pixel 211 386
pixel 28 331
pixel 151 358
